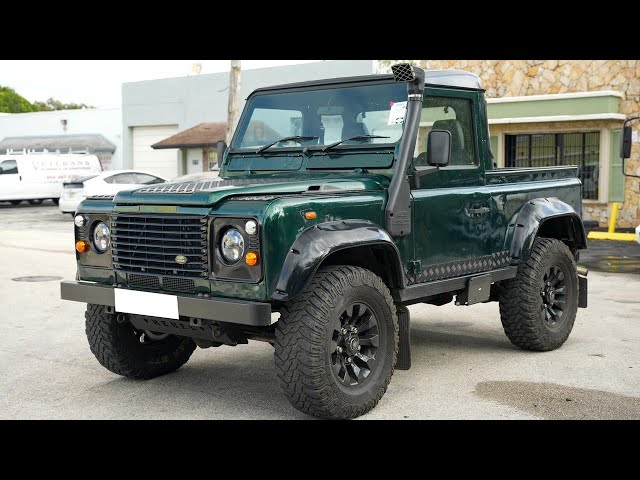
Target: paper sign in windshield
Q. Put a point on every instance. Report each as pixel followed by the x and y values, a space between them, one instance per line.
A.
pixel 397 113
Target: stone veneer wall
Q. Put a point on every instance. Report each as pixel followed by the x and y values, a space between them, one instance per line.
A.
pixel 502 78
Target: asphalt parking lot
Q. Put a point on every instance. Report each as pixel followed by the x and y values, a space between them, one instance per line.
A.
pixel 464 367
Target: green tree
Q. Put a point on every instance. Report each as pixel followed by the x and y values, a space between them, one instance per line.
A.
pixel 11 102
pixel 53 104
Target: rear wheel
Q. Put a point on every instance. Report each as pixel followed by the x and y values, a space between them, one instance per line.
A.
pixel 538 307
pixel 15 202
pixel 35 201
pixel 337 343
pixel 122 349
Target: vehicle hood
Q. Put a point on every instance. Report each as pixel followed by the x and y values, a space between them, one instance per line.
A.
pixel 263 187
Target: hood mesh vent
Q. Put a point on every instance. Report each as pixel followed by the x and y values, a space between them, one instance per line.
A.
pixel 211 185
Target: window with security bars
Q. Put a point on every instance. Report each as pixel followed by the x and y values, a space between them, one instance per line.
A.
pixel 557 149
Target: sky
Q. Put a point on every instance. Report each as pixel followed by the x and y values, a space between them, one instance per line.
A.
pixel 99 82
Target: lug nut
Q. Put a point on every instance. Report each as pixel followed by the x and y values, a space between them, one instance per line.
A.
pixel 339 349
pixel 359 347
pixel 354 329
pixel 348 360
pixel 343 331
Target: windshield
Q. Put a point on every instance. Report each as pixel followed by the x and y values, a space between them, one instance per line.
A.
pixel 324 116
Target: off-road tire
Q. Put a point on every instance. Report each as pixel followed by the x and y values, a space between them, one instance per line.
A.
pixel 119 350
pixel 522 308
pixel 303 339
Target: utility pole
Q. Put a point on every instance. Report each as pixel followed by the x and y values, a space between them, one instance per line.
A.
pixel 234 90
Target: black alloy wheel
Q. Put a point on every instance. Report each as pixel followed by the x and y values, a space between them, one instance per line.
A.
pixel 554 297
pixel 354 343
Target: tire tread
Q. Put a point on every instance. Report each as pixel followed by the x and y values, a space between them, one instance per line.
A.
pixel 520 300
pixel 103 335
pixel 300 343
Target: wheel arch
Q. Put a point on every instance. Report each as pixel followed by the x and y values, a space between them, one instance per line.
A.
pixel 544 217
pixel 347 242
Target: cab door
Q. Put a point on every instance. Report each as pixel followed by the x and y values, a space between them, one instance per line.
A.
pixel 10 184
pixel 451 207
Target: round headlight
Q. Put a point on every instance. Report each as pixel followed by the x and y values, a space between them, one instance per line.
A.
pixel 101 237
pixel 232 246
pixel 251 227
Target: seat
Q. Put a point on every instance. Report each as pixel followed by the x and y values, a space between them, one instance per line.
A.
pixel 353 129
pixel 453 126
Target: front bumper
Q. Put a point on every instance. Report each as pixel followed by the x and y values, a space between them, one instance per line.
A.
pixel 209 308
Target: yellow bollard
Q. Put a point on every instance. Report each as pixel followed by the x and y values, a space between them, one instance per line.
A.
pixel 614 217
pixel 611 234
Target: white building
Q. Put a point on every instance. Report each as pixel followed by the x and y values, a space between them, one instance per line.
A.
pixel 39 130
pixel 154 110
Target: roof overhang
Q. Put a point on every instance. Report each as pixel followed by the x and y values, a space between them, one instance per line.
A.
pixel 564 107
pixel 185 145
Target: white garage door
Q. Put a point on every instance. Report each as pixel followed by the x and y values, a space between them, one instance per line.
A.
pixel 160 162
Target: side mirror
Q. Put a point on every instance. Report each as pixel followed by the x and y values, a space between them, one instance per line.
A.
pixel 625 142
pixel 220 149
pixel 438 148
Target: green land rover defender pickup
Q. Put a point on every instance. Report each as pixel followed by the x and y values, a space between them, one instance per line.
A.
pixel 340 202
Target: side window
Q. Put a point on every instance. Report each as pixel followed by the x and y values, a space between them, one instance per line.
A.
pixel 454 115
pixel 145 179
pixel 121 178
pixel 8 167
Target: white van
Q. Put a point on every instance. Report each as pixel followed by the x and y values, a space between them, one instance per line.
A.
pixel 38 176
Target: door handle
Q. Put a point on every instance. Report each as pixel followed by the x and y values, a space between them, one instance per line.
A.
pixel 478 211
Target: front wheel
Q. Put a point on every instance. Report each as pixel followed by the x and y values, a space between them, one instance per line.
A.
pixel 337 343
pixel 538 307
pixel 141 355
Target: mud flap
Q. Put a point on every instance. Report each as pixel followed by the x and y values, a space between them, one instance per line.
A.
pixel 582 291
pixel 404 332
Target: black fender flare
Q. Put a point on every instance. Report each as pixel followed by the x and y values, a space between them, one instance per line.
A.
pixel 315 244
pixel 526 223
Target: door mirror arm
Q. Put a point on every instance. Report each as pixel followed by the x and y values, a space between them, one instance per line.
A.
pixel 418 174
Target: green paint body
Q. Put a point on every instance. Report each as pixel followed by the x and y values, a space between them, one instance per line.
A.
pixel 355 186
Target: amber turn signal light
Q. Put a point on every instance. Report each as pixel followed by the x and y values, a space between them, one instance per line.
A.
pixel 82 246
pixel 251 259
pixel 310 215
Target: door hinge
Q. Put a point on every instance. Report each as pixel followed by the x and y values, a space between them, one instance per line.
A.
pixel 414 266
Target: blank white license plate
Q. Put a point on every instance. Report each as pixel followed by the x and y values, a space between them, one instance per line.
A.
pixel 146 303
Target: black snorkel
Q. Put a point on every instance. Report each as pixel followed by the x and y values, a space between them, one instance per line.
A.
pixel 398 209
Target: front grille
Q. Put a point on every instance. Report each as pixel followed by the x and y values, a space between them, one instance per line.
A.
pixel 179 284
pixel 149 244
pixel 145 281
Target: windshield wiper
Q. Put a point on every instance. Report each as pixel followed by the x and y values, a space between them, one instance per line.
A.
pixel 357 137
pixel 285 139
